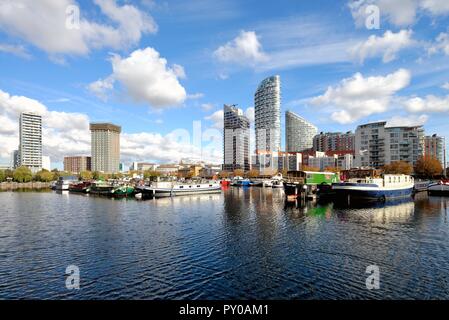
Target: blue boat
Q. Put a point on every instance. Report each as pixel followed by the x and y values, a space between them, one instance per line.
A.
pixel 390 186
pixel 243 183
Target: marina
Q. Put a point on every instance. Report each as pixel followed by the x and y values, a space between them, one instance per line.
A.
pixel 242 243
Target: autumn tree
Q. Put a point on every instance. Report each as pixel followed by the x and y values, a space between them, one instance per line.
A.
pixel 150 174
pixel 307 168
pixel 44 176
pixel 253 173
pixel 86 175
pixel 2 176
pixel 224 174
pixel 238 173
pixel 427 166
pixel 398 167
pixel 332 169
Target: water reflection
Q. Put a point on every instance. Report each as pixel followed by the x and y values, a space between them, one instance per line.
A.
pixel 242 243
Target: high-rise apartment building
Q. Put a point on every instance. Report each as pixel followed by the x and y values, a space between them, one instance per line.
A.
pixel 377 145
pixel 105 147
pixel 30 147
pixel 334 141
pixel 236 139
pixel 435 146
pixel 267 112
pixel 298 133
pixel 77 164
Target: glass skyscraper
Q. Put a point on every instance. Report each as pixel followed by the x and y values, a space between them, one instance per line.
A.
pixel 267 111
pixel 298 133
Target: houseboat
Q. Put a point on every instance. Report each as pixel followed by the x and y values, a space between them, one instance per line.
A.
pixel 80 187
pixel 122 191
pixel 307 182
pixel 64 183
pixel 388 186
pixel 101 188
pixel 171 189
pixel 440 188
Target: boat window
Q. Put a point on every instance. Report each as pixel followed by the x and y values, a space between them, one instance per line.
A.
pixel 198 186
pixel 190 186
pixel 181 187
pixel 210 185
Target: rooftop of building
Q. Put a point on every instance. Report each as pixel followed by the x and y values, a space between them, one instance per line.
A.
pixel 105 127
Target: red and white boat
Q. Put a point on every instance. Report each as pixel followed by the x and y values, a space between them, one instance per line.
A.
pixel 441 188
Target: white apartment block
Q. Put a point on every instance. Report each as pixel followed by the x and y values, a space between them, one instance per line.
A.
pixel 30 146
pixel 377 145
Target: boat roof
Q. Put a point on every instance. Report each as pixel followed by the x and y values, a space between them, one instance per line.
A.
pixel 324 172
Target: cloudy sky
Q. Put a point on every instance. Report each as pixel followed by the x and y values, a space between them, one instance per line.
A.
pixel 163 69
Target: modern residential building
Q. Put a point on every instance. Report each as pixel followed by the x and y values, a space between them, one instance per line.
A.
pixel 435 146
pixel 377 145
pixel 105 147
pixel 143 166
pixel 236 153
pixel 267 112
pixel 298 133
pixel 334 141
pixel 30 147
pixel 325 160
pixel 77 164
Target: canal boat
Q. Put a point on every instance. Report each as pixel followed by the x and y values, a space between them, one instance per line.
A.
pixel 388 186
pixel 308 183
pixel 64 183
pixel 277 181
pixel 123 191
pixel 101 188
pixel 171 189
pixel 440 188
pixel 421 186
pixel 81 187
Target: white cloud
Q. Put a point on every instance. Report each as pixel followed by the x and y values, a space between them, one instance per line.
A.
pixel 435 7
pixel 146 78
pixel 357 97
pixel 409 121
pixel 249 113
pixel 207 106
pixel 386 46
pixel 445 86
pixel 244 49
pixel 17 50
pixel 217 119
pixel 63 133
pixel 400 12
pixel 430 103
pixel 101 87
pixel 441 44
pixel 43 24
pixel 68 134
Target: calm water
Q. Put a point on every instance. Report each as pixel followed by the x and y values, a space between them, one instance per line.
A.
pixel 236 245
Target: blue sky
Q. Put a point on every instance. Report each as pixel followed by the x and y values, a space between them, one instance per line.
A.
pixel 155 67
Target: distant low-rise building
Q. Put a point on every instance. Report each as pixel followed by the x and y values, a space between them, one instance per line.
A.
pixel 77 164
pixel 334 141
pixel 143 166
pixel 168 169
